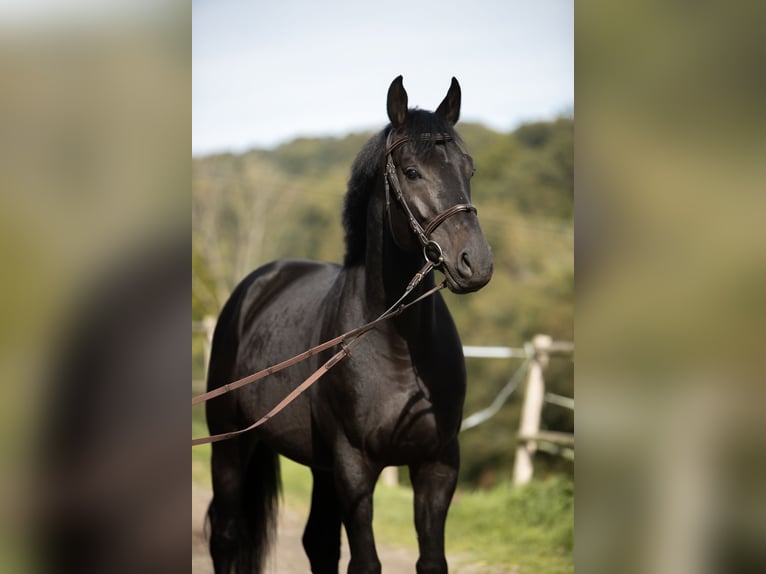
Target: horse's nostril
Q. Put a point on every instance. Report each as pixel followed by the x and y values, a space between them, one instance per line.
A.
pixel 464 265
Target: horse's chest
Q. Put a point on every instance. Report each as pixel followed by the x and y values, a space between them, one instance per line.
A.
pixel 409 427
pixel 396 410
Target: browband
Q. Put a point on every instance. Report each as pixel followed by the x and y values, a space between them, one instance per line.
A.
pixel 426 136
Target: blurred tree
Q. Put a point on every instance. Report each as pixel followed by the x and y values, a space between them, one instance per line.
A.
pixel 239 204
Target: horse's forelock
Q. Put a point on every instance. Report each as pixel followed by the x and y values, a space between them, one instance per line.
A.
pixel 422 122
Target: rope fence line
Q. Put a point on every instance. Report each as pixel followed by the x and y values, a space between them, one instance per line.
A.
pixel 562 401
pixel 502 397
pixel 495 352
pixel 530 438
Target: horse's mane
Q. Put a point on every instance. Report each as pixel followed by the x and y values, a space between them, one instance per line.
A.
pixel 368 166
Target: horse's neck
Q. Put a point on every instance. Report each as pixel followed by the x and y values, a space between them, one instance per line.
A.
pixel 388 271
pixel 424 333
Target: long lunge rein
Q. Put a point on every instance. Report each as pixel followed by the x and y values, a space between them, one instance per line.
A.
pixel 346 340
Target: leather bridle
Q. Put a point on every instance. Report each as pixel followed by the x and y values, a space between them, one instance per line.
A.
pixel 432 251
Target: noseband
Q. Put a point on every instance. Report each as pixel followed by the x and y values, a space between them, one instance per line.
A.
pixel 432 251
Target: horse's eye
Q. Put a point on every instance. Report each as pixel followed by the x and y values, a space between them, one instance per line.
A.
pixel 411 173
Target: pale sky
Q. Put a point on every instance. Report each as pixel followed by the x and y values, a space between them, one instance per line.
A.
pixel 265 72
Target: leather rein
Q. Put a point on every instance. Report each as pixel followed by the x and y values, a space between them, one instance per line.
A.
pixel 434 257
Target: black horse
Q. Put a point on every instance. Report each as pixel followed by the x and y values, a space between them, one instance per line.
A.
pixel 397 399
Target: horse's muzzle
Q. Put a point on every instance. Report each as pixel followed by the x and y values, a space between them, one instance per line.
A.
pixel 471 269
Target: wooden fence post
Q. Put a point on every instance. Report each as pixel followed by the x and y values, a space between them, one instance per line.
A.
pixel 390 476
pixel 530 415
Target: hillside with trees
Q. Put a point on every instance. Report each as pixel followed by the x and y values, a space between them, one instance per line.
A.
pixel 251 208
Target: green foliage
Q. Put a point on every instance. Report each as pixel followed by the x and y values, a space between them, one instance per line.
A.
pixel 530 528
pixel 265 204
pixel 201 453
pixel 317 157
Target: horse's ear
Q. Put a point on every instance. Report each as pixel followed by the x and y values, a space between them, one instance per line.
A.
pixel 449 109
pixel 397 103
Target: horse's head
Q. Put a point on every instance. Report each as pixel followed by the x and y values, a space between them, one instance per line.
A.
pixel 428 190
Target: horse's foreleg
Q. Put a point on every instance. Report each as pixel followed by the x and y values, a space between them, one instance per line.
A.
pixel 433 484
pixel 321 539
pixel 355 482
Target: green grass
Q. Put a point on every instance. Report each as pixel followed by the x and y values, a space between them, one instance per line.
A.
pixel 530 527
pixel 526 529
pixel 200 454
